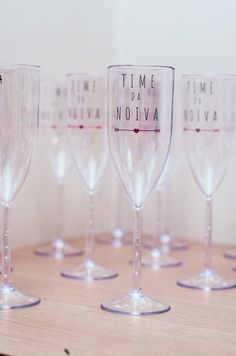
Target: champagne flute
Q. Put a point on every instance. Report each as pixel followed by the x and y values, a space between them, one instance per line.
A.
pixel 54 131
pixel 140 106
pixel 19 104
pixel 88 141
pixel 208 127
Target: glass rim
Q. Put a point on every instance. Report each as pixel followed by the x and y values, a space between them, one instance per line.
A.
pixel 16 65
pixel 147 66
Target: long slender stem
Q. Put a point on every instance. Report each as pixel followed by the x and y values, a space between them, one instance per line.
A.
pixel 6 254
pixel 60 216
pixel 208 235
pixel 118 210
pixel 90 238
pixel 157 232
pixel 167 215
pixel 137 250
pixel 119 228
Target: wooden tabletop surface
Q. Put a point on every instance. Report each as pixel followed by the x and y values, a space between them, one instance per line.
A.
pixel 69 321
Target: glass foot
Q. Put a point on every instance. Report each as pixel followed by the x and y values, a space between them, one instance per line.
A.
pixel 58 250
pixel 156 259
pixel 10 298
pixel 207 280
pixel 89 270
pixel 117 238
pixel 230 254
pixel 135 303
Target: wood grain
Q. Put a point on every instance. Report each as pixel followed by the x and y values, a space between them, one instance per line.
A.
pixel 69 315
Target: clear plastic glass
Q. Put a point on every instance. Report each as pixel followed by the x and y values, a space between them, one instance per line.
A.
pixel 54 131
pixel 140 127
pixel 208 132
pixel 19 104
pixel 87 122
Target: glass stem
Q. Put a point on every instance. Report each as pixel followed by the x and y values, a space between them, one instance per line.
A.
pixel 90 238
pixel 137 250
pixel 157 232
pixel 6 255
pixel 208 235
pixel 60 214
pixel 118 210
pixel 167 215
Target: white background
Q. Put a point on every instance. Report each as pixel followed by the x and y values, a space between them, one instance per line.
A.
pixel 87 35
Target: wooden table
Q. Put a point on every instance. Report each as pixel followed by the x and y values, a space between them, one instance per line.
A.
pixel 69 319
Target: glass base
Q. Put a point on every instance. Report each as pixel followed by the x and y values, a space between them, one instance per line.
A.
pixel 89 271
pixel 58 250
pixel 207 280
pixel 230 254
pixel 155 259
pixel 135 303
pixel 10 298
pixel 117 238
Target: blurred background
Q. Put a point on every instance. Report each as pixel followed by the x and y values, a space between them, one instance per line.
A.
pixel 194 36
